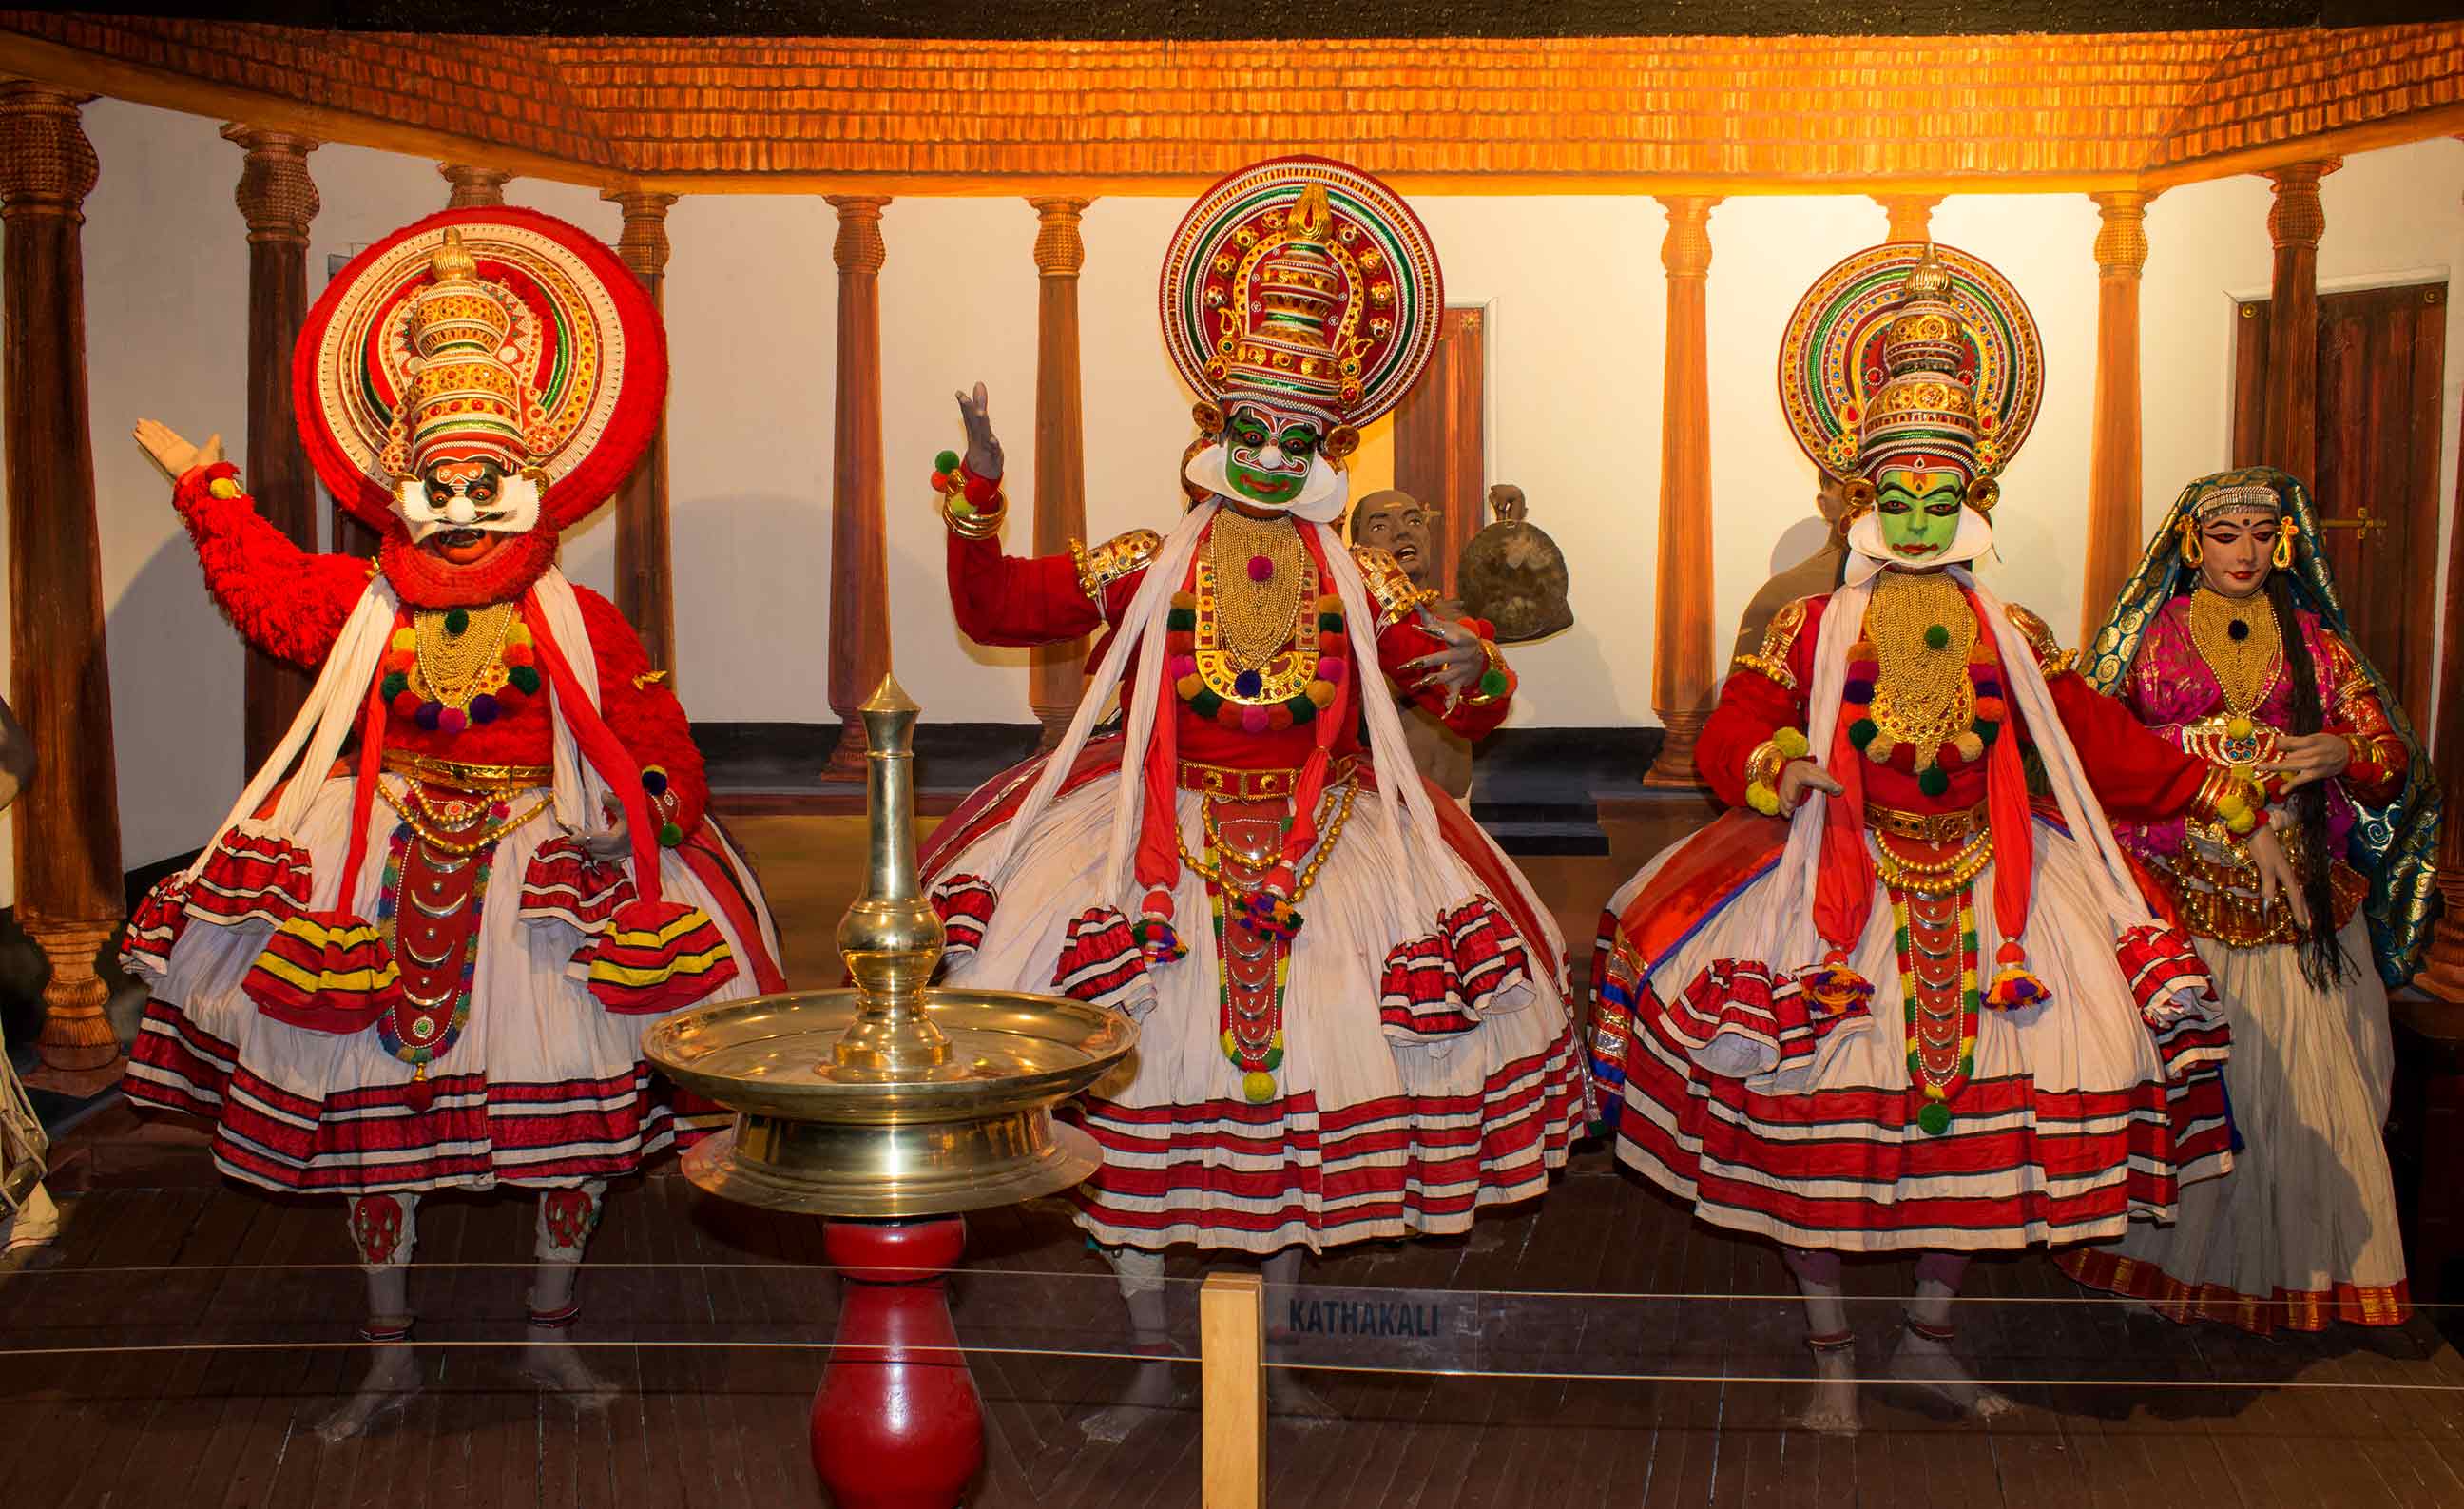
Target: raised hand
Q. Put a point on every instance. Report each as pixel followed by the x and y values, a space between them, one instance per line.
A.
pixel 173 455
pixel 983 448
pixel 1458 667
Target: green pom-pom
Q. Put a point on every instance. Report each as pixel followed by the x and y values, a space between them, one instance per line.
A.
pixel 670 835
pixel 456 619
pixel 1861 732
pixel 1330 623
pixel 1933 779
pixel 1180 620
pixel 1935 1117
pixel 393 685
pixel 1492 684
pixel 1937 637
pixel 1988 729
pixel 1206 704
pixel 526 678
pixel 1302 709
pixel 945 460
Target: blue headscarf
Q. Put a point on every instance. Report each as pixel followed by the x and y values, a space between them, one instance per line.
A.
pixel 2396 846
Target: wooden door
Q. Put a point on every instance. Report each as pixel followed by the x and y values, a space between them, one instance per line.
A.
pixel 1441 443
pixel 2381 357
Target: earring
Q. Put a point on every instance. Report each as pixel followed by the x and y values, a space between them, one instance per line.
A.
pixel 2191 552
pixel 2283 554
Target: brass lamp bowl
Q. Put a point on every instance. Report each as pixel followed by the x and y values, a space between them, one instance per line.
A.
pixel 891 1099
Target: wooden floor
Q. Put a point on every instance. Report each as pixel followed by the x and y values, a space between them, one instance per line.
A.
pixel 255 1298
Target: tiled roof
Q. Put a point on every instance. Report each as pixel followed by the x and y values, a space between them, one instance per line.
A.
pixel 2072 107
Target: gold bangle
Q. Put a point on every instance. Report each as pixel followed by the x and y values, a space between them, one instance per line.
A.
pixel 978 523
pixel 1495 662
pixel 1764 766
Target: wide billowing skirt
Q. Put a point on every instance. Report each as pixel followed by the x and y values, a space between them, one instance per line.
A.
pixel 2078 1117
pixel 543 1087
pixel 1372 1130
pixel 2304 1231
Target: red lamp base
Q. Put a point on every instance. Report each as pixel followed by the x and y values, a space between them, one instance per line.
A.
pixel 897 1423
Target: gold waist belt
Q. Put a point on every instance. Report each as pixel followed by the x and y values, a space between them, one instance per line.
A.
pixel 1932 827
pixel 463 777
pixel 1239 785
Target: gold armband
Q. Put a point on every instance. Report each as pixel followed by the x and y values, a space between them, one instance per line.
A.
pixel 1390 586
pixel 1122 555
pixel 2051 657
pixel 1779 638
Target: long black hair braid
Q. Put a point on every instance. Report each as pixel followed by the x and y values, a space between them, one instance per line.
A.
pixel 2322 959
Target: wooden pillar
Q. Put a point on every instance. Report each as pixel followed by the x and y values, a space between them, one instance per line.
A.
pixel 2442 964
pixel 69 882
pixel 277 199
pixel 1911 215
pixel 1057 673
pixel 474 187
pixel 645 581
pixel 2294 223
pixel 1681 627
pixel 2113 479
pixel 859 564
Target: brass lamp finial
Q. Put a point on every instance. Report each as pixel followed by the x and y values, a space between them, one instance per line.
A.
pixel 891 939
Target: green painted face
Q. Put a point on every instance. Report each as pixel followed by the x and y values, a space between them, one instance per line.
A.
pixel 1267 455
pixel 1920 511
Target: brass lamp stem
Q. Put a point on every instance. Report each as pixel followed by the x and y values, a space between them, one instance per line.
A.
pixel 891 937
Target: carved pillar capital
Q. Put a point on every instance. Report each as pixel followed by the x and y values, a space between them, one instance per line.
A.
pixel 644 246
pixel 47 165
pixel 1686 249
pixel 2295 219
pixel 1060 251
pixel 276 195
pixel 859 247
pixel 1910 215
pixel 2122 239
pixel 474 187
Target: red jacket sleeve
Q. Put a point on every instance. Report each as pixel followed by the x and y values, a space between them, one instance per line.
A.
pixel 288 602
pixel 1400 643
pixel 1007 600
pixel 2137 775
pixel 1764 692
pixel 642 710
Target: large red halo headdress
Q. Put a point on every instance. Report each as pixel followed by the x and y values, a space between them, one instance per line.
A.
pixel 573 389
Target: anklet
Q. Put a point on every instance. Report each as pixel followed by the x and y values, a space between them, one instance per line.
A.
pixel 372 1331
pixel 555 1319
pixel 1939 1335
pixel 1835 1341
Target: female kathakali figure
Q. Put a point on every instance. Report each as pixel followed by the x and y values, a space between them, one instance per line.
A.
pixel 2231 643
pixel 1350 1005
pixel 426 963
pixel 1891 1004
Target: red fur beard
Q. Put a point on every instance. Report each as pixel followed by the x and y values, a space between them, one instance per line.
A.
pixel 427 580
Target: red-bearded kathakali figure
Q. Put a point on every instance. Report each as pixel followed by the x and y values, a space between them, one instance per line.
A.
pixel 426 963
pixel 1350 1003
pixel 1890 1004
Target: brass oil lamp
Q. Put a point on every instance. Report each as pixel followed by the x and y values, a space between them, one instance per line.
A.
pixel 889 1108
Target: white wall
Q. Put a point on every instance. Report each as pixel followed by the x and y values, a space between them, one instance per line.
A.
pixel 1575 299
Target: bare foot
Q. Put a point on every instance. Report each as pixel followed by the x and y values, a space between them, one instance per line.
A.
pixel 1831 1401
pixel 1292 1400
pixel 1928 1365
pixel 1153 1389
pixel 392 1380
pixel 550 1362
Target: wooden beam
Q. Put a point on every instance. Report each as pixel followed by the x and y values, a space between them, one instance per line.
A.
pixel 1232 1392
pixel 2294 223
pixel 646 592
pixel 1682 670
pixel 1056 674
pixel 277 199
pixel 859 561
pixel 2113 480
pixel 69 894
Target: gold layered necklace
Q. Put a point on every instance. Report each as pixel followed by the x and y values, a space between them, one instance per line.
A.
pixel 1256 565
pixel 1922 630
pixel 453 668
pixel 2241 642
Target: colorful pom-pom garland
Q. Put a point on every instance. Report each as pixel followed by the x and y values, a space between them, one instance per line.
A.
pixel 1241 710
pixel 517 655
pixel 1931 767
